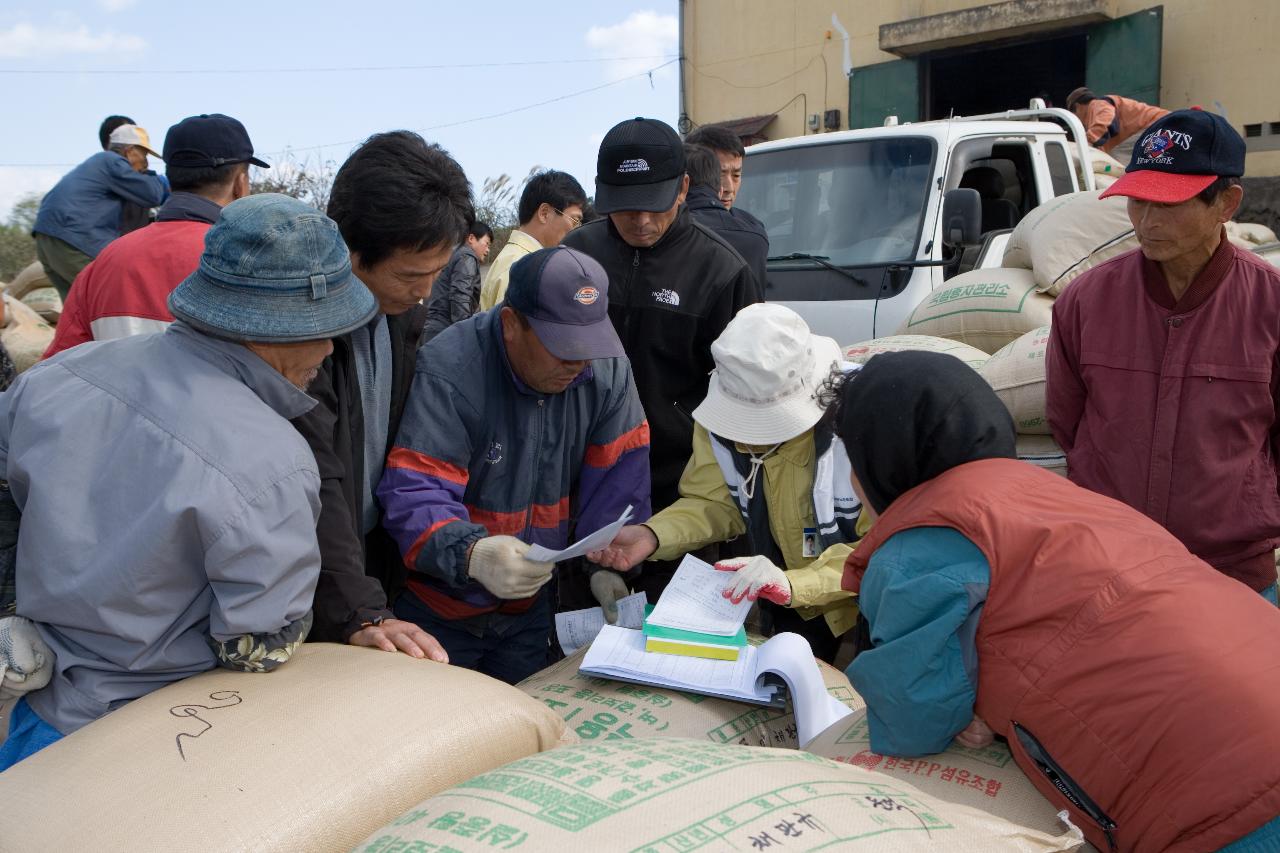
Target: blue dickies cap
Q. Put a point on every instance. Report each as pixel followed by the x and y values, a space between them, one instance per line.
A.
pixel 564 295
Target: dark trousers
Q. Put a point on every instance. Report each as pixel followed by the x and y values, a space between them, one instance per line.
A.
pixel 509 648
pixel 62 262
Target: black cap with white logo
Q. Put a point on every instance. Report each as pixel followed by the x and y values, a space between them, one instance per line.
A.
pixel 640 167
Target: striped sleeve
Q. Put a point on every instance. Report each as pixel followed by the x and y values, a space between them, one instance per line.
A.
pixel 425 479
pixel 615 469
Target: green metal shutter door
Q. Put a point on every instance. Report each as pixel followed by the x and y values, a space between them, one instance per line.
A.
pixel 884 89
pixel 1123 56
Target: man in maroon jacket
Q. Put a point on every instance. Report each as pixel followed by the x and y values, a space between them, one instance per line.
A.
pixel 1162 363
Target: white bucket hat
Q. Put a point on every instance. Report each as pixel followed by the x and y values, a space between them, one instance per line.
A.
pixel 769 368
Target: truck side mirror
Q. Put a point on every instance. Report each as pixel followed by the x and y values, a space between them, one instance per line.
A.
pixel 961 217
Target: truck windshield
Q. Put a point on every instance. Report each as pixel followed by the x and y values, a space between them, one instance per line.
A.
pixel 859 202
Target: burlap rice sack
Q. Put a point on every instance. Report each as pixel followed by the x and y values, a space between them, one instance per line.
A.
pixel 1016 374
pixel 1249 235
pixel 985 308
pixel 6 707
pixel 310 757
pixel 1042 450
pixel 684 795
pixel 598 709
pixel 25 334
pixel 31 278
pixel 984 779
pixel 46 302
pixel 861 352
pixel 1067 236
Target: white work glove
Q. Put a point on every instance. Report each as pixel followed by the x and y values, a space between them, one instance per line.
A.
pixel 26 663
pixel 756 577
pixel 498 563
pixel 608 586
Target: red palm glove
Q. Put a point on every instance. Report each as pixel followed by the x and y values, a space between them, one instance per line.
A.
pixel 756 577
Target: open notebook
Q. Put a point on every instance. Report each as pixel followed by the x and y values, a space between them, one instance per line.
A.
pixel 756 676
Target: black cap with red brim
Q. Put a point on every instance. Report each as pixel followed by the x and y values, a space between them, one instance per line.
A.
pixel 1180 155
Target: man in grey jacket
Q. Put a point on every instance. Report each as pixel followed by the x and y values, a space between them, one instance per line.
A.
pixel 168 508
pixel 456 294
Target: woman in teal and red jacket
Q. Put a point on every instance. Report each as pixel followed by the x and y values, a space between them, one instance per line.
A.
pixel 1137 687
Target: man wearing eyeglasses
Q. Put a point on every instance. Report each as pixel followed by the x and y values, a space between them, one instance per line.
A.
pixel 550 207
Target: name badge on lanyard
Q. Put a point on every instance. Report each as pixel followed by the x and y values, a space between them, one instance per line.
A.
pixel 809 544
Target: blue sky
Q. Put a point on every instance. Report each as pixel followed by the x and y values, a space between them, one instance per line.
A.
pixel 58 113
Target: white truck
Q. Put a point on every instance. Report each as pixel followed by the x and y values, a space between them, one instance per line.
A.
pixel 863 224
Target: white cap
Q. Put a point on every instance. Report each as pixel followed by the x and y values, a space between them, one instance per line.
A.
pixel 131 134
pixel 769 369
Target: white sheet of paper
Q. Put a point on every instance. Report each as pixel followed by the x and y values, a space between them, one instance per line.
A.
pixel 577 628
pixel 791 657
pixel 694 601
pixel 594 542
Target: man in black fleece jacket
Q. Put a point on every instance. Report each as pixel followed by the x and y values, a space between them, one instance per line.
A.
pixel 673 287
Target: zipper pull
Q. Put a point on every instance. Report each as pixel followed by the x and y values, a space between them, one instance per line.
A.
pixel 635 260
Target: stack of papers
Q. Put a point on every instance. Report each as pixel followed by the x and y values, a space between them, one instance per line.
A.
pixel 619 653
pixel 694 618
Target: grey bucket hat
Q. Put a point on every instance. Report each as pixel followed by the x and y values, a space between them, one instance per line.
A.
pixel 274 270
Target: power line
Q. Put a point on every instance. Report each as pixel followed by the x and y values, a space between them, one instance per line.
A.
pixel 565 97
pixel 151 72
pixel 646 73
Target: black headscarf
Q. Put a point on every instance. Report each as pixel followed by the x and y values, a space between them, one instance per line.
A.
pixel 907 417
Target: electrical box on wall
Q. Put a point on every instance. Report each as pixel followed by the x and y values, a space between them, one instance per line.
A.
pixel 815 121
pixel 831 119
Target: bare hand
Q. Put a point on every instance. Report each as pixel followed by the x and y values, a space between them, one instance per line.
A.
pixel 976 735
pixel 628 549
pixel 399 635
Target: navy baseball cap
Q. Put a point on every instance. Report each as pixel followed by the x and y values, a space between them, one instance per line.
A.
pixel 1179 155
pixel 639 167
pixel 209 140
pixel 564 295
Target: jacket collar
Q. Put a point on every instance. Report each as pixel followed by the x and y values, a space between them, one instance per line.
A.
pixel 189 207
pixel 702 198
pixel 1201 288
pixel 237 360
pixel 524 241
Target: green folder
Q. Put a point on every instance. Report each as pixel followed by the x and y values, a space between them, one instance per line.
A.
pixel 692 643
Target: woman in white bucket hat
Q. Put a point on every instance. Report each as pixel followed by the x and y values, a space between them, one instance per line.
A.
pixel 767 467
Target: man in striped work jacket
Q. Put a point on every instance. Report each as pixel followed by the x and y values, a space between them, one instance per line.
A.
pixel 523 424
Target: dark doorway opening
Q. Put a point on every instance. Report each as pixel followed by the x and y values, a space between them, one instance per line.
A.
pixel 994 77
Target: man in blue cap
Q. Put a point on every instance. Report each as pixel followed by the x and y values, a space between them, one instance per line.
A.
pixel 1163 386
pixel 523 428
pixel 168 509
pixel 125 291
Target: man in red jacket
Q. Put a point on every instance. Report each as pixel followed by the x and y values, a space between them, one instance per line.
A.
pixel 126 289
pixel 1162 363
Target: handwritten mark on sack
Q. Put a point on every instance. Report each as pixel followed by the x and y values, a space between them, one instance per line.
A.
pixel 227 698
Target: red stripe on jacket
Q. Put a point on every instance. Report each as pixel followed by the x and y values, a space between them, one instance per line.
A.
pixel 402 457
pixel 546 516
pixel 606 455
pixel 411 558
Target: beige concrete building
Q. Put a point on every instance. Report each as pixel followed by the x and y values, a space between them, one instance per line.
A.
pixel 782 68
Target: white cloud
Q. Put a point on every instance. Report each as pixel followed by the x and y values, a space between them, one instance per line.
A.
pixel 24 40
pixel 116 5
pixel 641 34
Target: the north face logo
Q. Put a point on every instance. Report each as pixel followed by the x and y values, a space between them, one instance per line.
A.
pixel 667 297
pixel 637 165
